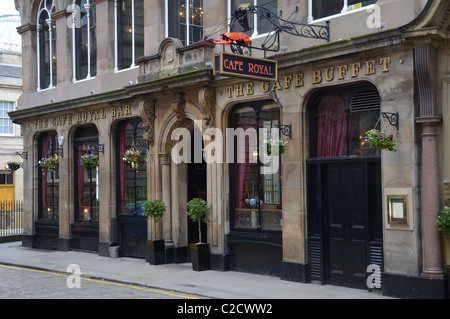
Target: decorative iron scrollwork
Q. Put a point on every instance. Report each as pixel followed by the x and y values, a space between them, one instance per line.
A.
pixel 393 118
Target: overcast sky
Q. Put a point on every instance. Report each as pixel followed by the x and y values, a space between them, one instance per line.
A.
pixel 7 7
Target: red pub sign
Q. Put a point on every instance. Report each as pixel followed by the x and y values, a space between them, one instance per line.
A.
pixel 245 67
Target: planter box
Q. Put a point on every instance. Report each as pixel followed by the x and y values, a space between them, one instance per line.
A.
pixel 155 252
pixel 199 256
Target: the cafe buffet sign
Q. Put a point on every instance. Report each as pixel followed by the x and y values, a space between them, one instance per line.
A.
pixel 83 117
pixel 317 76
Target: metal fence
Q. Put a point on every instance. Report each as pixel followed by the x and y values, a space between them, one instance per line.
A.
pixel 11 217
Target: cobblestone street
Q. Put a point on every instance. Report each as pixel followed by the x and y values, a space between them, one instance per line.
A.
pixel 25 283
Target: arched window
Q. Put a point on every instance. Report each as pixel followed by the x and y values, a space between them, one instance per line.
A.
pixel 129 32
pixel 46 45
pixel 48 179
pixel 255 194
pixel 132 181
pixel 340 117
pixel 86 179
pixel 84 37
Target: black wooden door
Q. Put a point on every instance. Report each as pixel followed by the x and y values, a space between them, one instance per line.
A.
pixel 345 222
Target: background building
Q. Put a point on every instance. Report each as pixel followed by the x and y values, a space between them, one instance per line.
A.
pixel 105 76
pixel 11 183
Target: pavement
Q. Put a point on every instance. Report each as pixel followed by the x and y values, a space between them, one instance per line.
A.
pixel 178 278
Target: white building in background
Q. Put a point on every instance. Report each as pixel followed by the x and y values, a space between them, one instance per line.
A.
pixel 11 183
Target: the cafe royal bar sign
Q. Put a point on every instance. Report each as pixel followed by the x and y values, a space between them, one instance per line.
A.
pixel 245 67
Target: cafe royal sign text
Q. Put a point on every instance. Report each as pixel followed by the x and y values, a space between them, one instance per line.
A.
pixel 318 76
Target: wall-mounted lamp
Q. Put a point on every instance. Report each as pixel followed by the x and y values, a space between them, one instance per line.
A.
pixel 60 148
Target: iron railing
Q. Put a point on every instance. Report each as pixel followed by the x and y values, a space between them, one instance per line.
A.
pixel 11 217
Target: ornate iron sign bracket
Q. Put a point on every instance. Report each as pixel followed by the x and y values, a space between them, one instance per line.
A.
pixel 393 118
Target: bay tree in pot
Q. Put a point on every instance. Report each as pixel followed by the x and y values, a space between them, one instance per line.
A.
pixel 197 211
pixel 154 210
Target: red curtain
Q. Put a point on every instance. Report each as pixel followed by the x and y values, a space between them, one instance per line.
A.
pixel 80 181
pixel 331 127
pixel 45 144
pixel 244 168
pixel 122 146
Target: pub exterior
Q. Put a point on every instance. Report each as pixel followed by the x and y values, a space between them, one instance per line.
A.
pixel 138 75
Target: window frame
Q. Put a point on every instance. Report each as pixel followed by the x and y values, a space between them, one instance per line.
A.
pixel 118 36
pixel 90 142
pixel 167 32
pixel 8 173
pixel 141 145
pixel 345 10
pixel 41 47
pixel 346 93
pixel 53 178
pixel 9 123
pixel 255 34
pixel 262 208
pixel 77 31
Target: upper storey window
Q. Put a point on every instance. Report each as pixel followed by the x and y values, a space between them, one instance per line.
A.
pixel 256 25
pixel 84 37
pixel 129 34
pixel 46 45
pixel 324 8
pixel 184 20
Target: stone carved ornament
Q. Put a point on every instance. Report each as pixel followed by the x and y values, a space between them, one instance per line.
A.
pixel 207 100
pixel 178 107
pixel 147 112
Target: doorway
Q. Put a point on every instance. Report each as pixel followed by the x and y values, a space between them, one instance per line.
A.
pixel 344 187
pixel 196 189
pixel 345 220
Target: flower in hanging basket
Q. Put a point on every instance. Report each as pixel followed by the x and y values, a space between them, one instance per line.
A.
pixel 251 203
pixel 277 145
pixel 89 161
pixel 379 140
pixel 13 166
pixel 133 158
pixel 49 164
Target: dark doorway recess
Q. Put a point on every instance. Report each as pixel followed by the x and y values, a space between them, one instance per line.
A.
pixel 196 189
pixel 131 187
pixel 345 226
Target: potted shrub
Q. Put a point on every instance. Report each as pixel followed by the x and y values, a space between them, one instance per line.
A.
pixel 197 212
pixel 154 210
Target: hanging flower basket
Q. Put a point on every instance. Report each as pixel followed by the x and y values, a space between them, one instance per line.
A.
pixel 13 166
pixel 133 158
pixel 277 145
pixel 380 140
pixel 49 164
pixel 89 161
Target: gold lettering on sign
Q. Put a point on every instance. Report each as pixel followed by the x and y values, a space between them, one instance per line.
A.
pixel 318 76
pixel 83 117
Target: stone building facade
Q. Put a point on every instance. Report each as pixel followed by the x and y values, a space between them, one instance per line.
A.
pixel 139 75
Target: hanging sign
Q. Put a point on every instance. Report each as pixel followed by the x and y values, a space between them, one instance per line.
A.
pixel 245 67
